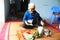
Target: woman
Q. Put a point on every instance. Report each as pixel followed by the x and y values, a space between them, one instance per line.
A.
pixel 31 17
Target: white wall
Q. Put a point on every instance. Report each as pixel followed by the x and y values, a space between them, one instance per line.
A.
pixel 44 7
pixel 2 11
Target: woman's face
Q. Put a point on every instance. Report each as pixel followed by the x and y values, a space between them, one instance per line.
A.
pixel 32 9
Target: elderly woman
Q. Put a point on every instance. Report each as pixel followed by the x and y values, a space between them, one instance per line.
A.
pixel 31 18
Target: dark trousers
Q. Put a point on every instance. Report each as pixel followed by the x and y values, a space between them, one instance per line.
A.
pixel 36 22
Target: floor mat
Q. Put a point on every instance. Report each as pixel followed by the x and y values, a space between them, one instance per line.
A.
pixel 3 31
pixel 16 31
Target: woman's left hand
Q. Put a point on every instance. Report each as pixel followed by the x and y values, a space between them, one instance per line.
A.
pixel 42 23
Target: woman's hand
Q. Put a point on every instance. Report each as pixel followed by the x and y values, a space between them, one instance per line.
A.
pixel 42 23
pixel 27 23
pixel 30 21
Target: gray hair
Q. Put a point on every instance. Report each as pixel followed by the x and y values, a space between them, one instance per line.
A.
pixel 31 5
